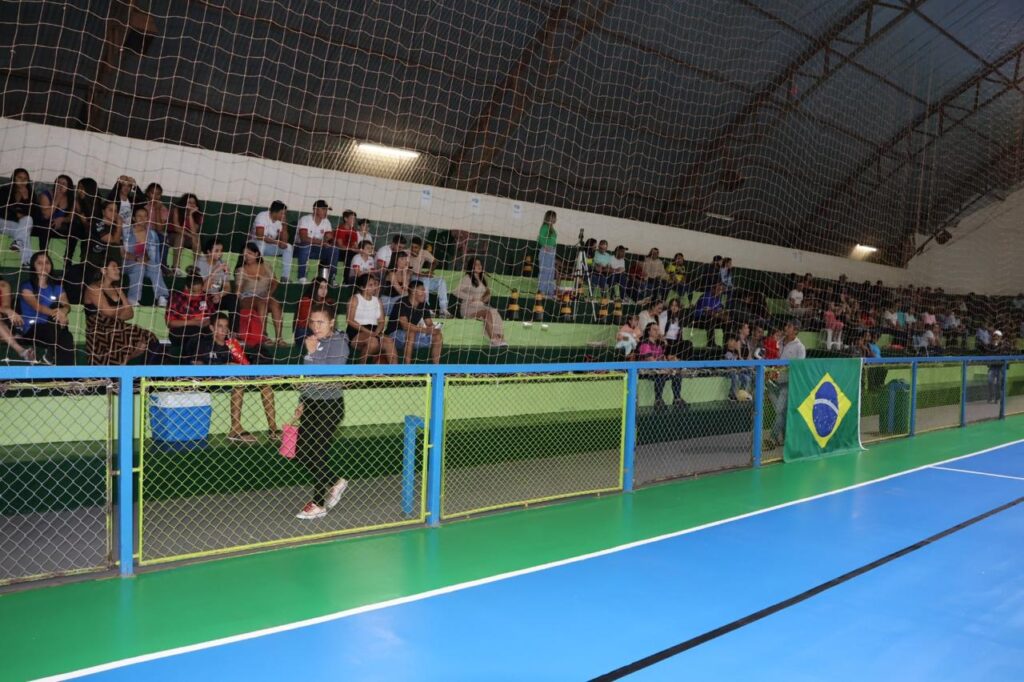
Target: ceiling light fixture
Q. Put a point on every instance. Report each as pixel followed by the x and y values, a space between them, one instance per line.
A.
pixel 719 216
pixel 388 152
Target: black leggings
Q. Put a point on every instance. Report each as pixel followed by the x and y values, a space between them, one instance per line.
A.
pixel 319 422
pixel 56 339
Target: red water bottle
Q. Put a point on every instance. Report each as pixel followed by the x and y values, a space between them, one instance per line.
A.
pixel 237 352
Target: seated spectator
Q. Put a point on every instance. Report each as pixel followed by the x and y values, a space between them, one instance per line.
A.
pixel 44 312
pixel 109 339
pixel 367 323
pixel 953 329
pixel 928 319
pixel 628 337
pixel 363 229
pixel 86 208
pixel 398 243
pixel 795 301
pixel 314 238
pixel 53 211
pixel 256 285
pixel 872 343
pixel 773 344
pixel 423 263
pixel 615 273
pixel 363 263
pixel 396 282
pixel 995 371
pixel 676 271
pixel 411 326
pixel 652 349
pixel 833 328
pixel 739 379
pixel 755 344
pixel 710 274
pixel 104 241
pixel 142 258
pixel 672 322
pixel 16 200
pixel 654 280
pixel 216 275
pixel 188 313
pixel 983 338
pixel 216 347
pixel 652 313
pixel 270 235
pixel 126 196
pixel 867 320
pixel 709 313
pixel 475 295
pixel 10 322
pixel 315 294
pixel 183 229
pixel 725 274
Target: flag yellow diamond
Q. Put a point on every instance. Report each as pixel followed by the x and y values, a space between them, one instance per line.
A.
pixel 823 410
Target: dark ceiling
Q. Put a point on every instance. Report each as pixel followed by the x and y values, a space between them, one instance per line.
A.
pixel 814 124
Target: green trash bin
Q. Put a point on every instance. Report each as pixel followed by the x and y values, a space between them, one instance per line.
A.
pixel 894 417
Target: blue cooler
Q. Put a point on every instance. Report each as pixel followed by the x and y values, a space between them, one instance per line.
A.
pixel 180 421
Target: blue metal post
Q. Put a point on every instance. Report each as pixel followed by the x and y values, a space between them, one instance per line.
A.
pixel 629 431
pixel 758 414
pixel 1002 399
pixel 913 398
pixel 413 424
pixel 963 394
pixel 434 468
pixel 125 465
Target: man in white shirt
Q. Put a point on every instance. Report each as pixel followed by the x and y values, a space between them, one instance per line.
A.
pixel 792 349
pixel 271 236
pixel 384 253
pixel 422 263
pixel 314 237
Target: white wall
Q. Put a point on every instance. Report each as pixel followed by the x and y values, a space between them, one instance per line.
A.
pixel 47 150
pixel 985 255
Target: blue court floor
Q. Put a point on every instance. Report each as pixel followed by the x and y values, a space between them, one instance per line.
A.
pixel 949 609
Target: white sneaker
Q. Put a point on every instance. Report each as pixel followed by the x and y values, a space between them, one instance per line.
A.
pixel 311 511
pixel 161 302
pixel 335 492
pixel 302 280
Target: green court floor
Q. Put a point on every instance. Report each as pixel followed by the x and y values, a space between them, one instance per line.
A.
pixel 48 630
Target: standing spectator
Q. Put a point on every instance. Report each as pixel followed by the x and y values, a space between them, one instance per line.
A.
pixel 384 253
pixel 475 294
pixel 367 322
pixel 676 271
pixel 315 238
pixel 188 313
pixel 270 234
pixel 346 240
pixel 652 349
pixel 11 321
pixel 158 217
pixel 411 326
pixel 710 314
pixel 44 312
pixel 739 379
pixel 53 212
pixel 792 349
pixel 126 196
pixel 995 371
pixel 725 275
pixel 183 228
pixel 216 347
pixel 316 294
pixel 710 274
pixel 655 280
pixel 363 263
pixel 321 409
pixel 256 285
pixel 422 263
pixel 16 201
pixel 142 258
pixel 984 338
pixel 216 275
pixel 628 336
pixel 396 281
pixel 547 241
pixel 109 339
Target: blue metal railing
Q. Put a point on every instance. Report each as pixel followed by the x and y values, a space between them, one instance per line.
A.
pixel 127 376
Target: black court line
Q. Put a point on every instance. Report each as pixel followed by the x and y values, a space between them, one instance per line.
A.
pixel 693 642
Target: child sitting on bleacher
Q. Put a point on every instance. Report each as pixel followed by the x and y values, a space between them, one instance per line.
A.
pixel 628 336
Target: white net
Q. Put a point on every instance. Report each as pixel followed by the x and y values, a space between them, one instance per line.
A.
pixel 782 135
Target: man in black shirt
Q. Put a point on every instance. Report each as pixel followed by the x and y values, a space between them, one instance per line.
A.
pixel 412 326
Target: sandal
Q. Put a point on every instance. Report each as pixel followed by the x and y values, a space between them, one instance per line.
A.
pixel 242 437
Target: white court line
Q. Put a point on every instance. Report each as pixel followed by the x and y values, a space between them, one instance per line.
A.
pixel 979 473
pixel 167 653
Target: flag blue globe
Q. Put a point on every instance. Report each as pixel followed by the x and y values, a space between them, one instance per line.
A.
pixel 826 409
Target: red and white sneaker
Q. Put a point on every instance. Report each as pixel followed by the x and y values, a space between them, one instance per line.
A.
pixel 311 511
pixel 335 492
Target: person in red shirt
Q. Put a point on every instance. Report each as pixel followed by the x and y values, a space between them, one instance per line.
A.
pixel 316 293
pixel 188 313
pixel 346 238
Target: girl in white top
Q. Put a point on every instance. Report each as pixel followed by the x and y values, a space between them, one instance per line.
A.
pixel 366 323
pixel 363 263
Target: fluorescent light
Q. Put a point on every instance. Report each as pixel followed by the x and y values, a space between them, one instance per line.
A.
pixel 719 216
pixel 865 249
pixel 389 152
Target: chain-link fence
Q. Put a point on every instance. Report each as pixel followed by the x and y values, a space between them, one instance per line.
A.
pixel 938 396
pixel 1015 388
pixel 984 391
pixel 520 439
pixel 217 476
pixel 773 420
pixel 56 450
pixel 693 421
pixel 885 401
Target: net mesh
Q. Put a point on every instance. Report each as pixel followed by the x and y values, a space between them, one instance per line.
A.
pixel 1015 388
pixel 938 396
pixel 216 478
pixel 524 439
pixel 885 402
pixel 984 391
pixel 817 127
pixel 56 501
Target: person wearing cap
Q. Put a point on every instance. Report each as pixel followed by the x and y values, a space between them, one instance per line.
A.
pixel 314 237
pixel 995 371
pixel 791 348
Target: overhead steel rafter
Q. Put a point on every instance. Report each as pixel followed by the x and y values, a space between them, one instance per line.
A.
pixel 950 115
pixel 821 49
pixel 535 69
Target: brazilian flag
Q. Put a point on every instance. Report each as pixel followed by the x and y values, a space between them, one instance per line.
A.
pixel 823 408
